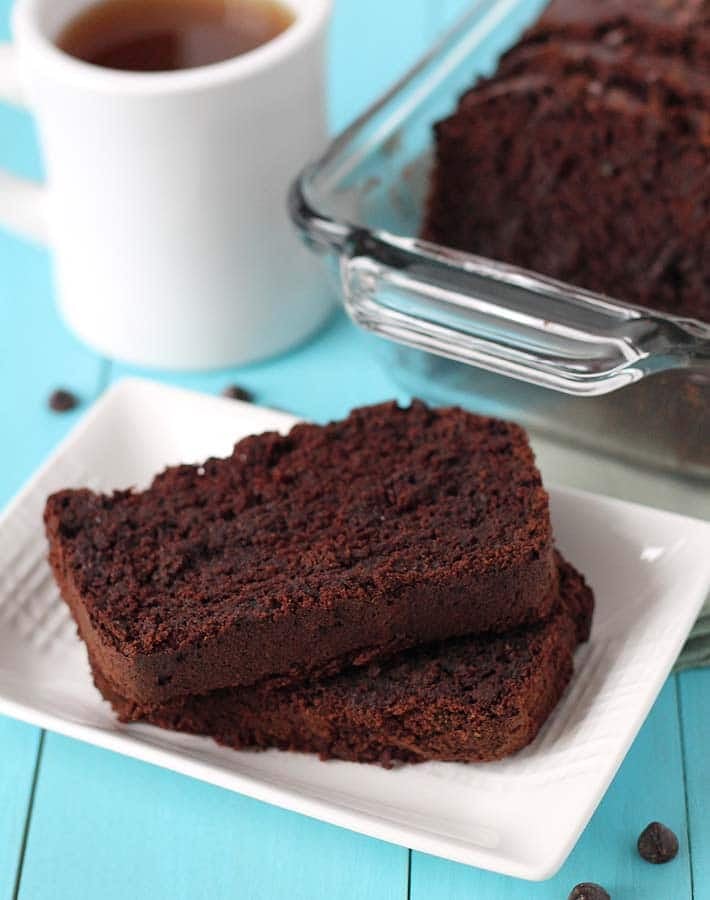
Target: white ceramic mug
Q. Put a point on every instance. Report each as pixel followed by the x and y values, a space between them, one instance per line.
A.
pixel 165 206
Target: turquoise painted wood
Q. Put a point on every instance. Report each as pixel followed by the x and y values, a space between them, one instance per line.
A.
pixel 373 43
pixel 694 696
pixel 109 827
pixel 648 786
pixel 20 154
pixel 19 745
pixel 99 825
pixel 37 354
pixel 320 380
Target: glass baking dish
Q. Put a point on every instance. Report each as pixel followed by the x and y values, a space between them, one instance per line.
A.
pixel 578 366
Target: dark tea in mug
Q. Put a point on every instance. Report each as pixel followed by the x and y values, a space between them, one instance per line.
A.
pixel 165 35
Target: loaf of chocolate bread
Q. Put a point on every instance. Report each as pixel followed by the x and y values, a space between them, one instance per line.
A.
pixel 586 156
pixel 669 27
pixel 476 698
pixel 301 555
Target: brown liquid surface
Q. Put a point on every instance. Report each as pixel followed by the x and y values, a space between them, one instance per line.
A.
pixel 165 35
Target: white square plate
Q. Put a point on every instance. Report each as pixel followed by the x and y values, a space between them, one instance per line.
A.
pixel 522 816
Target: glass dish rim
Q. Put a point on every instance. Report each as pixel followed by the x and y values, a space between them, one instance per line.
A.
pixel 645 341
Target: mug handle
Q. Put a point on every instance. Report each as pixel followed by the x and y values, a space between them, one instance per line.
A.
pixel 22 202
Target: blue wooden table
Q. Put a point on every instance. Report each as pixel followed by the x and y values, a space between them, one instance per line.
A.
pixel 78 822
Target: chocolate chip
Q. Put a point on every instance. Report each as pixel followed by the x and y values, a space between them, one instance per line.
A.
pixel 62 400
pixel 587 890
pixel 657 844
pixel 234 392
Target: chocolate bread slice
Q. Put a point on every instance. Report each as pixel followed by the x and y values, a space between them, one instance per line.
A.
pixel 670 27
pixel 307 553
pixel 581 180
pixel 586 156
pixel 660 81
pixel 478 698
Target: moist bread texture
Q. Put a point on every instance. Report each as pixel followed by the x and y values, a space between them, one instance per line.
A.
pixel 467 699
pixel 586 156
pixel 301 555
pixel 670 27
